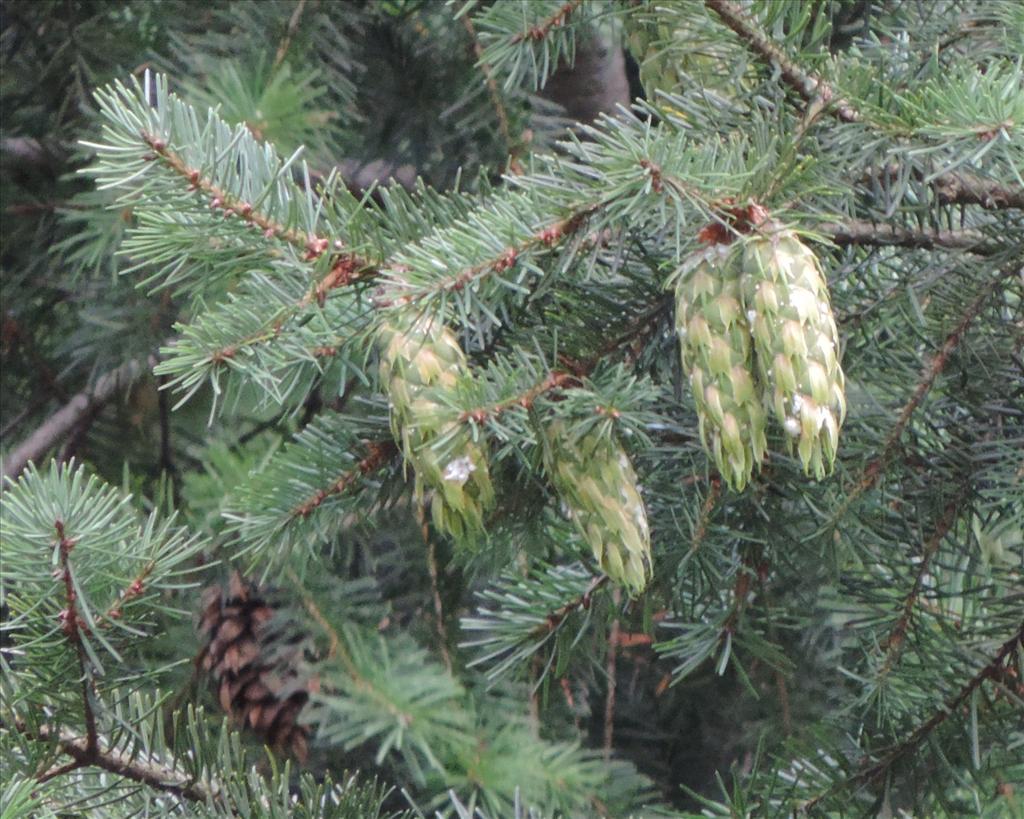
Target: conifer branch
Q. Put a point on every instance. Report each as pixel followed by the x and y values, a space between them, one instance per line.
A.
pixel 85 754
pixel 807 85
pixel 610 670
pixel 492 89
pixel 345 268
pixel 286 41
pixel 859 232
pixel 871 771
pixel 54 429
pixel 435 589
pixel 847 232
pixel 557 20
pixel 339 649
pixel 379 452
pixel 951 187
pixel 701 528
pixel 554 619
pixel 547 237
pixel 554 380
pixel 72 626
pixel 898 634
pixel 231 206
pixel 967 189
pixel 932 371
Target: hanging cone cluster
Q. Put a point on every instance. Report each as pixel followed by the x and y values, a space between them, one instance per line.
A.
pixel 757 334
pixel 597 484
pixel 717 359
pixel 419 361
pixel 796 344
pixel 256 669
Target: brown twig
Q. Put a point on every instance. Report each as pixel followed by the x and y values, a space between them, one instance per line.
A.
pixel 898 634
pixel 935 367
pixel 345 269
pixel 293 26
pixel 858 232
pixel 555 618
pixel 545 237
pixel 73 626
pixel 701 527
pixel 847 232
pixel 967 189
pixel 129 765
pixel 871 772
pixel 803 82
pixel 554 380
pixel 539 31
pixel 379 452
pixel 611 664
pixel 435 588
pixel 495 94
pixel 55 428
pixel 951 187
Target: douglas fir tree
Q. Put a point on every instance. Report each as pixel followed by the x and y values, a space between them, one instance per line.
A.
pixel 381 439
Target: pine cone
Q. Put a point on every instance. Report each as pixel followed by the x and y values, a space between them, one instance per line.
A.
pixel 597 484
pixel 257 670
pixel 718 359
pixel 796 343
pixel 419 361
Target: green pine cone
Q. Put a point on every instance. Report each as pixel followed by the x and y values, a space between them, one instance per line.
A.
pixel 660 38
pixel 597 484
pixel 786 300
pixel 718 359
pixel 419 360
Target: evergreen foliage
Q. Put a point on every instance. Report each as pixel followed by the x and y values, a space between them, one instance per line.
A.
pixel 333 296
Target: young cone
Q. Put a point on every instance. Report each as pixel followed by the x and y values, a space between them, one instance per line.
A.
pixel 596 482
pixel 419 361
pixel 718 359
pixel 796 342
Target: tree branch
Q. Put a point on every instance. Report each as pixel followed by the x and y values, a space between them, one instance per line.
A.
pixel 951 188
pixel 546 237
pixel 492 89
pixel 700 529
pixel 286 41
pixel 345 268
pixel 435 588
pixel 807 85
pixel 967 189
pixel 128 765
pixel 63 421
pixel 555 618
pixel 876 467
pixel 898 635
pixel 859 232
pixel 379 453
pixel 611 671
pixel 72 627
pixel 873 771
pixel 556 20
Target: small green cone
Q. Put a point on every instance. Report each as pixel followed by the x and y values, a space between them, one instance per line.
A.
pixel 718 359
pixel 796 344
pixel 598 487
pixel 420 360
